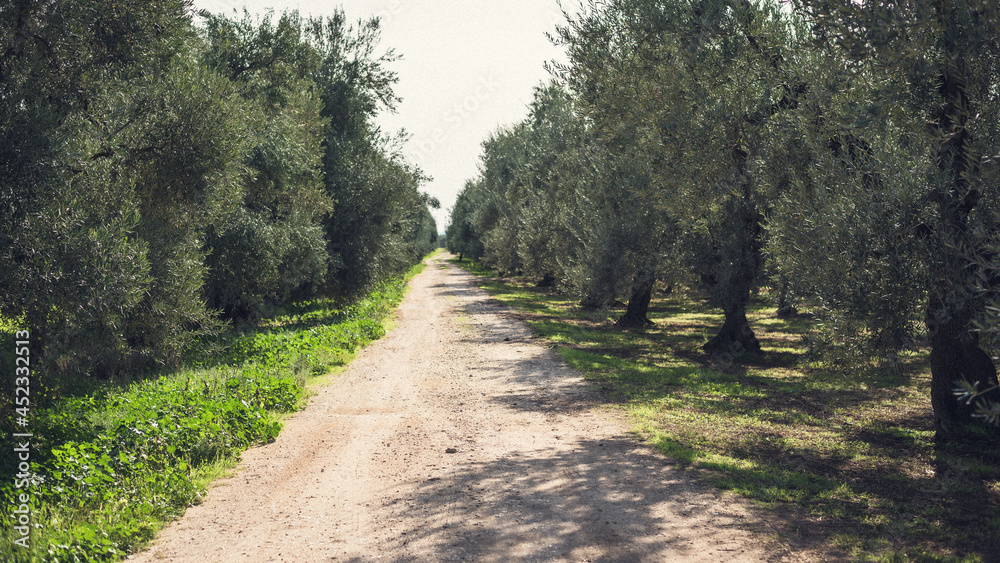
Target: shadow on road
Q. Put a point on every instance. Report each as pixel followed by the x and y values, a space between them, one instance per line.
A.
pixel 589 502
pixel 562 497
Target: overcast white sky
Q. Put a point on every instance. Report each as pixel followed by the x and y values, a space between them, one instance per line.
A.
pixel 468 67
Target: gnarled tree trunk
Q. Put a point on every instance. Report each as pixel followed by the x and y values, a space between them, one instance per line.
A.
pixel 743 261
pixel 638 304
pixel 955 356
pixel 953 299
pixel 735 337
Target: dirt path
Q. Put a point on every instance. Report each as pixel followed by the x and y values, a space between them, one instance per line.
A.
pixel 538 472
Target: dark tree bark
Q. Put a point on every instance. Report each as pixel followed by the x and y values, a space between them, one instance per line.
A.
pixel 786 305
pixel 638 303
pixel 955 355
pixel 735 337
pixel 744 261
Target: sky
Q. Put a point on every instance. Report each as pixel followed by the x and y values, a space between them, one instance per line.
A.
pixel 468 68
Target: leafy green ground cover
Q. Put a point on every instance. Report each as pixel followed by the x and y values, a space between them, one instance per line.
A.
pixel 113 460
pixel 841 461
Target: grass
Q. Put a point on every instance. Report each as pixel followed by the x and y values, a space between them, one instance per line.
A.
pixel 115 460
pixel 842 462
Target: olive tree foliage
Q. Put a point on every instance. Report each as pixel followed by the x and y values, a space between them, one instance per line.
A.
pixel 148 166
pixel 423 231
pixel 329 203
pixel 272 247
pixel 945 109
pixel 622 221
pixel 619 240
pixel 374 229
pixel 107 169
pixel 548 181
pixel 494 210
pixel 843 228
pixel 461 236
pixel 694 87
pixel 499 217
pixel 186 172
pixel 518 215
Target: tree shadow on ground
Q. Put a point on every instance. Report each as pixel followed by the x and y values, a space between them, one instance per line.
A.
pixel 590 501
pixel 601 499
pixel 885 501
pixel 875 498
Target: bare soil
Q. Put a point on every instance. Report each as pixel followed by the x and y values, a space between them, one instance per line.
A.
pixel 458 437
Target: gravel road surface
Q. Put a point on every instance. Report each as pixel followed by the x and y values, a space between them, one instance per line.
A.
pixel 459 437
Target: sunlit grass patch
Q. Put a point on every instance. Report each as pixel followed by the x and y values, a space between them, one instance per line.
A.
pixel 846 459
pixel 116 459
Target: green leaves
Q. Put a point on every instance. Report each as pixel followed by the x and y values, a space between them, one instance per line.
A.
pixel 124 209
pixel 120 129
pixel 156 432
pixel 109 465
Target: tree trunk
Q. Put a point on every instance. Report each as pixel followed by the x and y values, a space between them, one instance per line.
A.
pixel 744 260
pixel 954 298
pixel 735 338
pixel 955 356
pixel 638 303
pixel 786 305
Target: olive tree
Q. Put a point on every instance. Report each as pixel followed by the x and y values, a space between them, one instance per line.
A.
pixel 843 230
pixel 462 238
pixel 694 87
pixel 374 191
pixel 272 246
pixel 946 108
pixel 107 167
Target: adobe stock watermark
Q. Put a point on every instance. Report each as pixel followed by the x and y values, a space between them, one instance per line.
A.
pixel 21 509
pixel 486 89
pixel 387 14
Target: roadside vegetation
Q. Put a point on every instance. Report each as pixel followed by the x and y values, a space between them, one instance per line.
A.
pixel 197 213
pixel 164 172
pixel 113 460
pixel 844 462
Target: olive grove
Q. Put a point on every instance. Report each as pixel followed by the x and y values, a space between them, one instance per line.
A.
pixel 837 153
pixel 164 171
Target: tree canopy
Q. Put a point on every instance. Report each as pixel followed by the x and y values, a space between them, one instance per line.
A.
pixel 838 153
pixel 164 171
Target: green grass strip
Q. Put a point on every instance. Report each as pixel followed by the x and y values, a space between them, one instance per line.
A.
pixel 840 461
pixel 110 466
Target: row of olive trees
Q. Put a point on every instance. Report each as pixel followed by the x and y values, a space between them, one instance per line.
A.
pixel 156 175
pixel 843 152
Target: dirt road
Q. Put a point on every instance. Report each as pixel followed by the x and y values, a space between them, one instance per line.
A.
pixel 459 438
